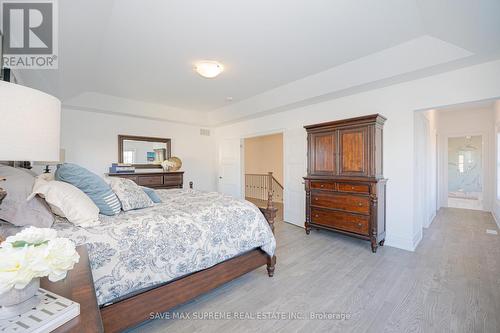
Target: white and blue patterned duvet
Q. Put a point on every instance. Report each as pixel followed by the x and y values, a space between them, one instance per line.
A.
pixel 188 232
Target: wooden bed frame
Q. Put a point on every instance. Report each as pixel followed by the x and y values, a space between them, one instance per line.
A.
pixel 137 309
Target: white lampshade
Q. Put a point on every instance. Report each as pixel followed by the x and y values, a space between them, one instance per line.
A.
pixel 62 158
pixel 30 122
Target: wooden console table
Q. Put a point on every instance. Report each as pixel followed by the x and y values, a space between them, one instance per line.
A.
pixel 78 286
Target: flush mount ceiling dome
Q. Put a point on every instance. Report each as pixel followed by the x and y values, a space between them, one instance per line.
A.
pixel 208 69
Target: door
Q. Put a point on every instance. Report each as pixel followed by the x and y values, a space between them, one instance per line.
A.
pixel 323 153
pixel 353 151
pixel 229 178
pixel 295 165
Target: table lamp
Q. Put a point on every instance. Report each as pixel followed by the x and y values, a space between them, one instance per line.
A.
pixel 30 125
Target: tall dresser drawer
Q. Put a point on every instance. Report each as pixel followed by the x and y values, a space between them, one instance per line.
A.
pixel 319 185
pixel 354 188
pixel 347 202
pixel 150 180
pixel 340 220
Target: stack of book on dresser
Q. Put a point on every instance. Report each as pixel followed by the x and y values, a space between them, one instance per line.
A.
pixel 121 168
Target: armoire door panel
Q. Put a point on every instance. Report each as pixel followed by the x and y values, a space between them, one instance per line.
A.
pixel 323 159
pixel 353 151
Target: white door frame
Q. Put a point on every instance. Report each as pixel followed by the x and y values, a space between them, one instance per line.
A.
pixel 443 195
pixel 496 174
pixel 242 152
pixel 424 211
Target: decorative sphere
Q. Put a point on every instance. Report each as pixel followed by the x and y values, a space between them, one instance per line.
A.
pixel 177 163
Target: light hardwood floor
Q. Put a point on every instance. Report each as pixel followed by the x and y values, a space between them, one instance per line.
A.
pixel 451 283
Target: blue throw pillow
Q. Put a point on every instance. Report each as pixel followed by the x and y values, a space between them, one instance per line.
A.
pixel 152 194
pixel 92 185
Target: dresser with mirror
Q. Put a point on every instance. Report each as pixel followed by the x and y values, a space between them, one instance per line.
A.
pixel 146 154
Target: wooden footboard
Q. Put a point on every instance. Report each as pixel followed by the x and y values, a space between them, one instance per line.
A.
pixel 142 307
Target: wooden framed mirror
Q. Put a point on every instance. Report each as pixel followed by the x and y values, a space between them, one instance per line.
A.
pixel 143 152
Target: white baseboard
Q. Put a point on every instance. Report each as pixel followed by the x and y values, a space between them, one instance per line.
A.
pixel 429 222
pixel 416 239
pixel 399 242
pixel 496 218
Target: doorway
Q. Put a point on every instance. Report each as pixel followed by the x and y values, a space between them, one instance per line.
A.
pixel 263 170
pixel 231 170
pixel 465 172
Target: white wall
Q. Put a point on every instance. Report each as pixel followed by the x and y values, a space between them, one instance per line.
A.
pixel 398 103
pixel 91 140
pixel 464 122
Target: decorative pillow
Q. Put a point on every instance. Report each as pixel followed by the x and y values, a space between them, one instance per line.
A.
pixel 15 208
pixel 131 195
pixel 90 184
pixel 151 194
pixel 67 201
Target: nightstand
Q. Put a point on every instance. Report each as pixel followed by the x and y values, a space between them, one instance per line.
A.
pixel 78 286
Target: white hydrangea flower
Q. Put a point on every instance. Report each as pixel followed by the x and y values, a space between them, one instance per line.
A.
pixel 35 256
pixel 14 269
pixel 32 253
pixel 61 257
pixel 32 235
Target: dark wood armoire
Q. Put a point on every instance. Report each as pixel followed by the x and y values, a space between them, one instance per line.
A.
pixel 345 187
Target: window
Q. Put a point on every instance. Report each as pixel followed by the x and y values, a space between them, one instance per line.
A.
pixel 461 163
pixel 129 156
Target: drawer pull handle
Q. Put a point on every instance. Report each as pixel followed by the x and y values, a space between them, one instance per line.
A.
pixel 316 215
pixel 359 225
pixel 322 185
pixel 316 199
pixel 352 187
pixel 360 204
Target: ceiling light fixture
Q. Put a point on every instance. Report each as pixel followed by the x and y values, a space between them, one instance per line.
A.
pixel 208 69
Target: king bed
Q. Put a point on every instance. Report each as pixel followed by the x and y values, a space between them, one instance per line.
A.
pixel 153 259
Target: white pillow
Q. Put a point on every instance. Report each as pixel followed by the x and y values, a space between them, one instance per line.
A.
pixel 67 201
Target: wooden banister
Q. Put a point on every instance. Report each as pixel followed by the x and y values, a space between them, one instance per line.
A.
pixel 270 211
pixel 258 186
